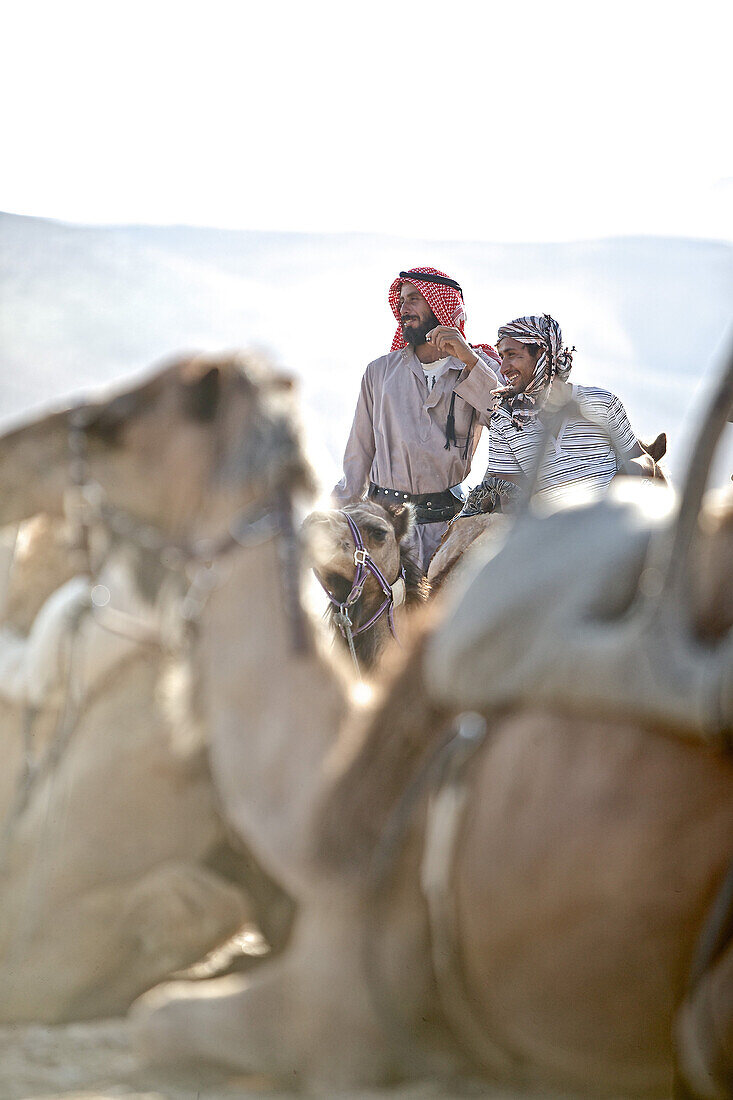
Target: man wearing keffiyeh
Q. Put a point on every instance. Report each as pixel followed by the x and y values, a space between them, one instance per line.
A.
pixel 542 337
pixel 583 431
pixel 422 407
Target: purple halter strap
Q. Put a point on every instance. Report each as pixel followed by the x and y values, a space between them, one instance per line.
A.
pixel 365 564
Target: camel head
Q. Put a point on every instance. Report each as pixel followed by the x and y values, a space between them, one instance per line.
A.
pixel 178 452
pixel 329 549
pixel 329 544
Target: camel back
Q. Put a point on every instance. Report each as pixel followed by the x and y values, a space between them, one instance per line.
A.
pixel 570 614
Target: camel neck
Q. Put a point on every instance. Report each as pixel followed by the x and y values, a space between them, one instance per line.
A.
pixel 273 713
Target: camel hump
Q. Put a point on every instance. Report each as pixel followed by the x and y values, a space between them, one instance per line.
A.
pixel 551 620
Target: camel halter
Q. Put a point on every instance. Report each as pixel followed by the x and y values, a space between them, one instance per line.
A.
pixel 394 594
pixel 268 517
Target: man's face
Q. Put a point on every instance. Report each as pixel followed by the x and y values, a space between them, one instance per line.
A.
pixel 416 317
pixel 517 363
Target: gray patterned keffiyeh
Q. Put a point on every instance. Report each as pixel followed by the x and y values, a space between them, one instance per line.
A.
pixel 554 361
pixel 493 494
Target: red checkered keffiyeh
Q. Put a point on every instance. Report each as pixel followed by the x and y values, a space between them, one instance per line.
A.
pixel 445 302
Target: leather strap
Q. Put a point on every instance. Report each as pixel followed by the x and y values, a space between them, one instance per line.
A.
pixel 442 498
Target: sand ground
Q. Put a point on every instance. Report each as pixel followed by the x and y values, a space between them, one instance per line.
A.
pixel 94 1061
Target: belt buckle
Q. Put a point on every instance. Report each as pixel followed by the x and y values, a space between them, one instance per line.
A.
pixel 360 557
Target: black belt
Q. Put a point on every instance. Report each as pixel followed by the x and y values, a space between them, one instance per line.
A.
pixel 429 507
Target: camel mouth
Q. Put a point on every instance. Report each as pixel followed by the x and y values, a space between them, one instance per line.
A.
pixel 338 586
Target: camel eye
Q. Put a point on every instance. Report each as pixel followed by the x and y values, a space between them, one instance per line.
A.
pixel 378 534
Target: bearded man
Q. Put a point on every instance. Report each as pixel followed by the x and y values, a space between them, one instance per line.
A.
pixel 421 408
pixel 583 431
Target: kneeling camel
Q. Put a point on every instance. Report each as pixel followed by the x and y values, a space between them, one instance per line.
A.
pixel 552 945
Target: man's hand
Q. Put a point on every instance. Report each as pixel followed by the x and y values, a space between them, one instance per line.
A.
pixel 449 341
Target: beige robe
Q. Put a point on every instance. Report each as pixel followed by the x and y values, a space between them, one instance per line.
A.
pixel 397 439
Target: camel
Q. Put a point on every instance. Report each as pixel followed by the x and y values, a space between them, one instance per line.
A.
pixel 550 947
pixel 87 927
pixel 577 856
pixel 376 612
pixel 464 530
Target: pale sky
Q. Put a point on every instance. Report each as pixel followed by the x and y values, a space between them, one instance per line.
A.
pixel 492 121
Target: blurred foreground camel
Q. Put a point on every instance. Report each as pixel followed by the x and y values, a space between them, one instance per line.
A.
pixel 537 910
pixel 116 866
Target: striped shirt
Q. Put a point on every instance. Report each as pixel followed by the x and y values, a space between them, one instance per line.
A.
pixel 588 448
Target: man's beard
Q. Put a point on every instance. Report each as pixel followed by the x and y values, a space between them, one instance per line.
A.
pixel 415 334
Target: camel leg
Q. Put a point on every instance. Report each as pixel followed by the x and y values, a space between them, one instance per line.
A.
pixel 103 949
pixel 305 1017
pixel 230 1023
pixel 705 1033
pixel 178 913
pixel 273 1022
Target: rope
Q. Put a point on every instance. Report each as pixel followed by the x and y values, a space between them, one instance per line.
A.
pixel 345 624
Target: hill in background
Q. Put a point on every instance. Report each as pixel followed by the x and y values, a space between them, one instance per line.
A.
pixel 84 305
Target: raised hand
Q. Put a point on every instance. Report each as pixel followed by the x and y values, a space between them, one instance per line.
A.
pixel 449 341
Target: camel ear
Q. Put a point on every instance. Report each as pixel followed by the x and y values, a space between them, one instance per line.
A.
pixel 202 394
pixel 403 519
pixel 658 448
